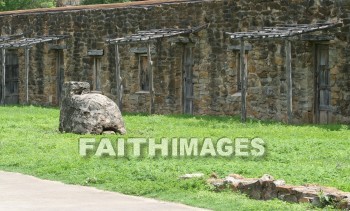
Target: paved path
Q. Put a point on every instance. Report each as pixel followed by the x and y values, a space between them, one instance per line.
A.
pixel 22 192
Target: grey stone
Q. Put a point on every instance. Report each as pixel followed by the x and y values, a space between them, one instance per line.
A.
pixel 190 176
pixel 83 112
pixel 108 132
pixel 266 177
pixel 279 182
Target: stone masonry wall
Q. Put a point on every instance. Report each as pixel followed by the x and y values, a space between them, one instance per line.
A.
pixel 214 64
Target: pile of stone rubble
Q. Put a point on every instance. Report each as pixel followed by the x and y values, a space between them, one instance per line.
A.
pixel 267 187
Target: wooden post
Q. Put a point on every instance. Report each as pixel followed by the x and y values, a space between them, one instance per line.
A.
pixel 118 78
pixel 95 75
pixel 3 81
pixel 243 82
pixel 289 81
pixel 26 62
pixel 150 71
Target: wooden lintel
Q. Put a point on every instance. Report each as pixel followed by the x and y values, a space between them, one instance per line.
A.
pixel 179 39
pixel 57 47
pixel 322 37
pixel 124 42
pixel 141 50
pixel 13 48
pixel 247 47
pixel 95 52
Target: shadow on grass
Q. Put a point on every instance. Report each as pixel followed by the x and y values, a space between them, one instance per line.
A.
pixel 28 106
pixel 211 118
pixel 236 119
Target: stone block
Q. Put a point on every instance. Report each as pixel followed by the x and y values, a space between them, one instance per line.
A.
pixel 85 112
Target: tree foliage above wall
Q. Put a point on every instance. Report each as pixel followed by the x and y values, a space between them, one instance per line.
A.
pixel 102 1
pixel 6 5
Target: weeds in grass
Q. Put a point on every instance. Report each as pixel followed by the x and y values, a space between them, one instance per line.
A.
pixel 30 143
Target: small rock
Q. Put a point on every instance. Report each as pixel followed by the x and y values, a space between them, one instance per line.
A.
pixel 218 184
pixel 108 132
pixel 288 198
pixel 214 175
pixel 279 182
pixel 343 204
pixel 236 176
pixel 190 176
pixel 316 202
pixel 231 180
pixel 267 177
pixel 305 200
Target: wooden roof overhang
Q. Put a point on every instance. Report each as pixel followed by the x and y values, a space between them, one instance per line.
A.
pixel 146 36
pixel 280 31
pixel 15 41
pixel 152 34
pixel 18 41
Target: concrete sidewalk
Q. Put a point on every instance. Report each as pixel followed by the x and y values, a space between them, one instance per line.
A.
pixel 22 192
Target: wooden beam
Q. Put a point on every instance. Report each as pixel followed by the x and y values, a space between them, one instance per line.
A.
pixel 322 37
pixel 243 82
pixel 98 74
pixel 141 50
pixel 118 78
pixel 3 81
pixel 282 31
pixel 289 81
pixel 95 75
pixel 95 52
pixel 152 34
pixel 26 63
pixel 247 47
pixel 150 71
pixel 57 47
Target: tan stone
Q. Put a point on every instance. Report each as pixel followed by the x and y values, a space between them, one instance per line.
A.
pixel 305 200
pixel 236 176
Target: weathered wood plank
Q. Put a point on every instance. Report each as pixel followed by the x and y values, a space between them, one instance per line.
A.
pixel 118 78
pixel 26 63
pixel 289 81
pixel 30 41
pixel 247 47
pixel 96 74
pixel 95 52
pixel 155 34
pixel 3 81
pixel 281 31
pixel 57 47
pixel 243 82
pixel 141 50
pixel 151 87
pixel 321 37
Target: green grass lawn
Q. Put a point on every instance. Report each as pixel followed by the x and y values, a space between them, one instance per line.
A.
pixel 30 143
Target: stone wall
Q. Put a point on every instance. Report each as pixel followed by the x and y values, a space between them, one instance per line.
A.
pixel 214 64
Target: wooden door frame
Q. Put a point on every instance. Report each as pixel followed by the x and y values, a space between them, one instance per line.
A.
pixel 97 69
pixel 59 74
pixel 141 57
pixel 8 71
pixel 316 103
pixel 184 73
